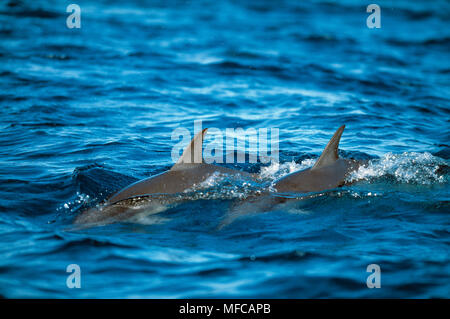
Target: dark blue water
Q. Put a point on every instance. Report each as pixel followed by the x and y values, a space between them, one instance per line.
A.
pixel 84 112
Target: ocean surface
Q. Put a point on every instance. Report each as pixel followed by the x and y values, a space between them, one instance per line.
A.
pixel 86 111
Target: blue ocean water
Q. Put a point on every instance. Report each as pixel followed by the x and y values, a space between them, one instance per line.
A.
pixel 84 112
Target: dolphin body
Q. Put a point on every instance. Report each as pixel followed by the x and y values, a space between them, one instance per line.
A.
pixel 155 194
pixel 329 172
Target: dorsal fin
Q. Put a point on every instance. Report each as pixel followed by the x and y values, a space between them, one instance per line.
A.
pixel 192 154
pixel 330 153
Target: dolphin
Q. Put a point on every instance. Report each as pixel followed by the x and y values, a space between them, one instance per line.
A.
pixel 329 172
pixel 154 194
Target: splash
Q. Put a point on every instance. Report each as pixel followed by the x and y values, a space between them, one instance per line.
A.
pixel 74 204
pixel 222 186
pixel 277 170
pixel 408 167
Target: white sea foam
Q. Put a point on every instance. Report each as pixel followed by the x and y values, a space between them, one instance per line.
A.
pixel 412 167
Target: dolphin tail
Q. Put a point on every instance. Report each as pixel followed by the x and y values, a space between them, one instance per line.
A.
pixel 330 153
pixel 193 152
